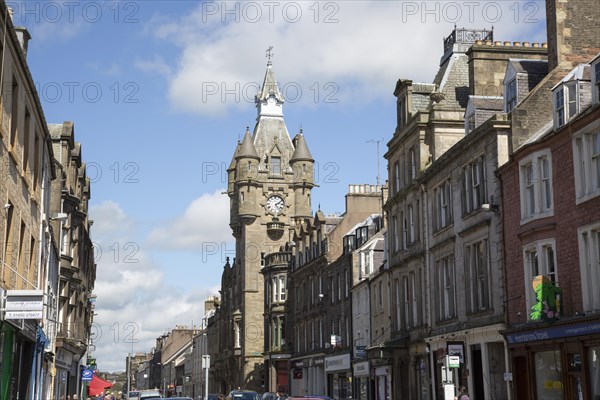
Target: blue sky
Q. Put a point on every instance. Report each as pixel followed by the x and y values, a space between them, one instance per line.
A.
pixel 160 92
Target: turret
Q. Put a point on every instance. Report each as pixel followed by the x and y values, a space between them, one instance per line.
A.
pixel 247 161
pixel 302 165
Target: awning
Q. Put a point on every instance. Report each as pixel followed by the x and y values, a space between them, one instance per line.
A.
pixel 97 386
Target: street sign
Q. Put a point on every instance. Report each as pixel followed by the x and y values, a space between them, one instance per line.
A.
pixel 453 362
pixel 86 375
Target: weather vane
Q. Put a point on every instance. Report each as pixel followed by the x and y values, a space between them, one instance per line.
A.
pixel 269 54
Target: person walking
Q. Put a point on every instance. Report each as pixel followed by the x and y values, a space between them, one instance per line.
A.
pixel 463 394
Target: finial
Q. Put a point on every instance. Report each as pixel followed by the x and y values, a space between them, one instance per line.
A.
pixel 247 129
pixel 269 55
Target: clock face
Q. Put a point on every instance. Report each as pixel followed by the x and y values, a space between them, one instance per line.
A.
pixel 275 204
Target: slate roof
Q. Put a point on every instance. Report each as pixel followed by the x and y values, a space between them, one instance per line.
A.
pixel 495 103
pixel 522 66
pixel 301 153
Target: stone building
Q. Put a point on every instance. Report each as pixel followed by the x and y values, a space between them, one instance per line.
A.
pixel 369 261
pixel 439 234
pixel 320 308
pixel 71 194
pixel 269 185
pixel 551 185
pixel 31 236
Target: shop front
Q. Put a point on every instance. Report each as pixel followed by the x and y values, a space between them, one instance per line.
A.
pixel 481 362
pixel 360 372
pixel 556 362
pixel 383 382
pixel 278 372
pixel 308 376
pixel 339 376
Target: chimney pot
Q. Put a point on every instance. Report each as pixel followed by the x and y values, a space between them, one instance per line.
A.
pixel 497 43
pixel 517 44
pixel 488 42
pixel 478 42
pixel 526 44
pixel 507 43
pixel 536 45
pixel 544 45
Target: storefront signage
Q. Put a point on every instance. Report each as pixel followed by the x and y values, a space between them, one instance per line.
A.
pixel 280 356
pixel 361 369
pixel 337 363
pixel 361 351
pixel 453 362
pixel 319 361
pixel 590 328
pixel 24 304
pixel 457 349
pixel 297 373
pixel 299 364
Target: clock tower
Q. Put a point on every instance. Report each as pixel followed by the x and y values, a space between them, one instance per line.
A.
pixel 269 185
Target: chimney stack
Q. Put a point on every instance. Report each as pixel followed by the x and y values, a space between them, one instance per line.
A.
pixel 573 34
pixel 24 37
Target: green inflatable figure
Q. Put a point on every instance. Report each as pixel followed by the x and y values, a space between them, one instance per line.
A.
pixel 548 300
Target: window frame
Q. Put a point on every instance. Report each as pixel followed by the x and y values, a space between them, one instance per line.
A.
pixel 596 81
pixel 478 276
pixel 588 238
pixel 511 94
pixel 540 247
pixel 565 102
pixel 586 163
pixel 536 189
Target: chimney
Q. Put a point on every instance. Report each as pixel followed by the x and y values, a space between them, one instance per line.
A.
pixel 24 37
pixel 573 34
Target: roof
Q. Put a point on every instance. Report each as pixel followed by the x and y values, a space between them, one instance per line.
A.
pixel 269 86
pixel 582 72
pixel 247 148
pixel 367 222
pixel 495 103
pixel 546 129
pixel 525 66
pixel 301 152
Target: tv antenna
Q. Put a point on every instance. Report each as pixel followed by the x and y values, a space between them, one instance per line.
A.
pixel 377 142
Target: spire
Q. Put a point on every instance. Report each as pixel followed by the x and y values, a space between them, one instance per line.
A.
pixel 235 154
pixel 301 153
pixel 269 87
pixel 247 149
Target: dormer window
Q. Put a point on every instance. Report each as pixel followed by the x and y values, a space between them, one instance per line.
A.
pixel 510 94
pixel 401 112
pixel 470 122
pixel 349 243
pixel 276 166
pixel 565 103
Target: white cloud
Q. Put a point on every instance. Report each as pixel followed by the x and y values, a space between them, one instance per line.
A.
pixel 109 219
pixel 349 51
pixel 206 220
pixel 155 65
pixel 135 304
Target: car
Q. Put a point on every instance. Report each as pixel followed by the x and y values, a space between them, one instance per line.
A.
pixel 212 396
pixel 150 394
pixel 310 397
pixel 180 398
pixel 133 395
pixel 243 395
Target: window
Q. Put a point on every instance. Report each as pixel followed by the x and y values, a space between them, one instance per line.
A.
pixel 339 285
pixel 282 287
pixel 332 289
pixel 14 117
pixel 349 243
pixel 410 224
pixel 470 125
pixel 406 301
pixel 415 317
pixel 473 192
pixel 412 163
pixel 278 289
pixel 396 177
pixel 511 95
pixel 276 166
pixel 536 186
pixel 596 80
pixel 347 286
pixel 401 110
pixel 398 304
pixel 445 288
pixel 540 259
pixel 477 276
pixel 589 258
pixel 396 234
pixel 586 157
pixel 566 104
pixel 380 295
pixel 26 141
pixel 442 208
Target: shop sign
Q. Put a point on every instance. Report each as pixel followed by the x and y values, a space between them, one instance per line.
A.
pixel 337 363
pixel 297 373
pixel 361 369
pixel 453 362
pixel 382 371
pixel 319 361
pixel 24 304
pixel 361 351
pixel 457 349
pixel 280 356
pixel 589 328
